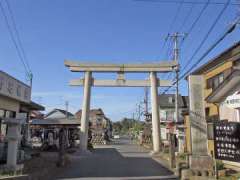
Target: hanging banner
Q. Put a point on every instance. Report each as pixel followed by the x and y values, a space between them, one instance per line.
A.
pixel 227 141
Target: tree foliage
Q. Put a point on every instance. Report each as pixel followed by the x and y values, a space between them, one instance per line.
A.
pixel 127 125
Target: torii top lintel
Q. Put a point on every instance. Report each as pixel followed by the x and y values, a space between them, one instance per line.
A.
pixel 163 66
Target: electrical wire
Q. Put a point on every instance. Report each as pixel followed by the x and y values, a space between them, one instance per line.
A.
pixel 13 38
pixel 188 2
pixel 172 23
pixel 198 18
pixel 226 33
pixel 206 36
pixel 188 15
pixel 208 51
pixel 20 51
pixel 195 21
pixel 17 35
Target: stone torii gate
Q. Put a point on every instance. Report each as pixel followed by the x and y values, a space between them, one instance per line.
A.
pixel 87 82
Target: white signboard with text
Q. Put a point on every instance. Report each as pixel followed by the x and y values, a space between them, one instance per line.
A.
pixel 14 88
pixel 233 101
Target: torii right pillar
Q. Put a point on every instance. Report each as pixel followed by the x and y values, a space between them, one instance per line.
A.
pixel 155 114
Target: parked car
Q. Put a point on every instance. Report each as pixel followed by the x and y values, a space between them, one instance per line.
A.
pixel 116 136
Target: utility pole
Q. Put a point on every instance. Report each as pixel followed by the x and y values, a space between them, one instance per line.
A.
pixel 27 127
pixel 175 37
pixel 146 100
pixel 66 104
pixel 139 111
pixel 31 81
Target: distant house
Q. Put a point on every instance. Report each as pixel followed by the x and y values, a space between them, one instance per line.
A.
pixel 167 107
pixel 97 118
pixel 58 113
pixel 100 125
pixel 36 115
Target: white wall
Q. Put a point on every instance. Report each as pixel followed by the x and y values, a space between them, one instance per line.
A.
pixel 56 114
pixel 9 104
pixel 227 113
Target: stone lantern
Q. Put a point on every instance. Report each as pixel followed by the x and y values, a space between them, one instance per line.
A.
pixel 13 137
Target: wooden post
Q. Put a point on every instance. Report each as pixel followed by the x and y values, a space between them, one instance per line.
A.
pixel 172 150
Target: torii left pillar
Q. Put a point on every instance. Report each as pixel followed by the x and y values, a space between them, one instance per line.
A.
pixel 85 111
pixel 155 114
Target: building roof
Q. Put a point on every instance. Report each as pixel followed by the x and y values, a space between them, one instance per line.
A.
pixel 37 114
pixel 228 87
pixel 14 78
pixel 168 101
pixel 93 112
pixel 230 54
pixel 31 106
pixel 69 114
pixel 63 121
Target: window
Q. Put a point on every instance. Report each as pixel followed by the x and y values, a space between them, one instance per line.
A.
pixel 170 115
pixel 227 72
pixel 207 111
pixel 3 126
pixel 215 81
pixel 209 83
pixel 2 112
pixel 210 133
pixel 10 114
pixel 171 100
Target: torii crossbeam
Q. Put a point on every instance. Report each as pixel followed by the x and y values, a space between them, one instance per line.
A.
pixel 87 82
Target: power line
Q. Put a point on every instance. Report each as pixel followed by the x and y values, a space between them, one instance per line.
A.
pixel 172 23
pixel 187 17
pixel 27 71
pixel 229 30
pixel 188 2
pixel 206 36
pixel 194 23
pixel 198 17
pixel 17 34
pixel 176 15
pixel 168 50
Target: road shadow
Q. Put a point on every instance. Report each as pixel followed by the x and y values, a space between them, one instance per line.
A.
pixel 108 162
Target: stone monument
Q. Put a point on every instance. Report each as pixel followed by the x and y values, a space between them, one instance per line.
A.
pixel 199 159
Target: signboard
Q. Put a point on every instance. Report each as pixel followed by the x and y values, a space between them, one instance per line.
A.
pixel 232 101
pixel 163 133
pixel 227 141
pixel 13 88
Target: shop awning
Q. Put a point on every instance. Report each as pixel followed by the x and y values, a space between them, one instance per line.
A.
pixel 56 122
pixel 32 106
pixel 228 87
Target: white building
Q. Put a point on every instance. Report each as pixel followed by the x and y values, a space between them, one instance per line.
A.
pixel 167 107
pixel 15 108
pixel 58 114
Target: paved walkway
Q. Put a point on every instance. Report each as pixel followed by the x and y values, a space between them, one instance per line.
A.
pixel 122 160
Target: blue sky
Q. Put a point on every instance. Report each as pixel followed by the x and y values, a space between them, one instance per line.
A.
pixel 116 31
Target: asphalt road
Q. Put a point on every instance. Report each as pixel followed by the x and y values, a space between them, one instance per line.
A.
pixel 120 160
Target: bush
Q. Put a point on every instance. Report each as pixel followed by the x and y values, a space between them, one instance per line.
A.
pixel 182 156
pixel 219 165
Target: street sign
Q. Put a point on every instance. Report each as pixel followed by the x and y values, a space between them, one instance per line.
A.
pixel 227 141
